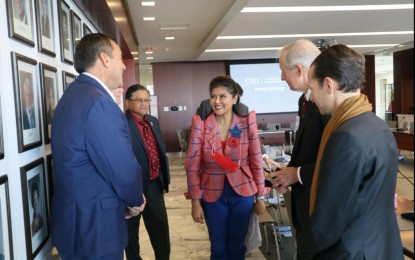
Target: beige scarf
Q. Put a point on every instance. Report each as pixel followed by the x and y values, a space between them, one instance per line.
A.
pixel 351 107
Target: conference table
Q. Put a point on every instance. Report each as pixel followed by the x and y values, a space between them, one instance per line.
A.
pixel 406 227
pixel 404 140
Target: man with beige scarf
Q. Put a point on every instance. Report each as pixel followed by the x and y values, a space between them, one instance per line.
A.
pixel 352 194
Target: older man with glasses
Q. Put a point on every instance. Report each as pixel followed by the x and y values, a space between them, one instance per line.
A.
pixel 150 150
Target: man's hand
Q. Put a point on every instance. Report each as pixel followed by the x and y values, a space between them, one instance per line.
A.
pixel 135 211
pixel 284 178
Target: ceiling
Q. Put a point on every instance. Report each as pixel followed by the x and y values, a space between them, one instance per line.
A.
pixel 208 19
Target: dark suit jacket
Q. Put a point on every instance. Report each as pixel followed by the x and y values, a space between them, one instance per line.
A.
pixel 45 26
pixel 141 152
pixel 96 173
pixel 305 150
pixel 354 215
pixel 26 122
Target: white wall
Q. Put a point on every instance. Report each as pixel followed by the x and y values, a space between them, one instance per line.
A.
pixel 13 160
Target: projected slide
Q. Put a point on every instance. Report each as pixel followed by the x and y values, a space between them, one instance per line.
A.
pixel 264 91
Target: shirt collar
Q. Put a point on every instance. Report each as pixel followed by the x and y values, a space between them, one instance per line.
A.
pixel 102 84
pixel 307 94
pixel 138 118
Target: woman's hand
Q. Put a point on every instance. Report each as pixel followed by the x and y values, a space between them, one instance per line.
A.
pixel 197 212
pixel 259 207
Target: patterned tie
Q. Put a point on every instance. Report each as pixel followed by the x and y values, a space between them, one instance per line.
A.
pixel 151 145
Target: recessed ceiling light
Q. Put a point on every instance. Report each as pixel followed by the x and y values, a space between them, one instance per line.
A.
pixel 174 26
pixel 148 3
pixel 169 38
pixel 149 52
pixel 281 9
pixel 309 35
pixel 278 48
pixel 149 58
pixel 149 18
pixel 134 52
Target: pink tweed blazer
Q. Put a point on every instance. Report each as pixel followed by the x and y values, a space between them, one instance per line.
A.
pixel 205 179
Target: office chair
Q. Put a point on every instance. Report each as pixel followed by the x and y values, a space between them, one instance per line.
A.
pixel 182 143
pixel 266 219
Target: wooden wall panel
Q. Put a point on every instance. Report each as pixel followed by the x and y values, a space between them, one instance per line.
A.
pixel 370 85
pixel 403 80
pixel 173 87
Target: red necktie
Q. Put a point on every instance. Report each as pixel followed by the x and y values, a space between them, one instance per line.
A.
pixel 304 106
pixel 151 146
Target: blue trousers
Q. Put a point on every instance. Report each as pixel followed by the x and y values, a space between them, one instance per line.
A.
pixel 116 256
pixel 227 220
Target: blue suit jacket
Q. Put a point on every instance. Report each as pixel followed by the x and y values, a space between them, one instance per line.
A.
pixel 96 172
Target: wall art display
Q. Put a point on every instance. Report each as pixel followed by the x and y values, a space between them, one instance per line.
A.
pixel 20 14
pixel 26 92
pixel 65 29
pixel 45 36
pixel 51 177
pixel 76 28
pixel 68 78
pixel 49 84
pixel 34 206
pixel 6 248
pixel 86 30
pixel 1 136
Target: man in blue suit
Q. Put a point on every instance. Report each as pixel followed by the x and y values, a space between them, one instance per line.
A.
pixel 98 181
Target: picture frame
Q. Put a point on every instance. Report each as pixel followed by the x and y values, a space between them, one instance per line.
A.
pixel 67 79
pixel 65 32
pixel 27 93
pixel 45 27
pixel 76 28
pixel 20 20
pixel 6 242
pixel 51 178
pixel 49 85
pixel 1 135
pixel 86 30
pixel 35 211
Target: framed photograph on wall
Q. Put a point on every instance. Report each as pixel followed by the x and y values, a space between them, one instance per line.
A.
pixel 1 135
pixel 65 29
pixel 6 247
pixel 76 28
pixel 45 32
pixel 68 78
pixel 20 20
pixel 34 206
pixel 86 30
pixel 51 178
pixel 26 92
pixel 49 84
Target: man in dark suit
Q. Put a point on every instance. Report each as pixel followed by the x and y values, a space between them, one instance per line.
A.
pixel 295 59
pixel 45 26
pixel 98 180
pixel 28 110
pixel 150 151
pixel 352 214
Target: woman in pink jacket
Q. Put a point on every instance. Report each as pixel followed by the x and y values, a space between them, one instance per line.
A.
pixel 224 170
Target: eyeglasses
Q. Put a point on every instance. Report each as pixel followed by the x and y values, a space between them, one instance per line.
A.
pixel 141 101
